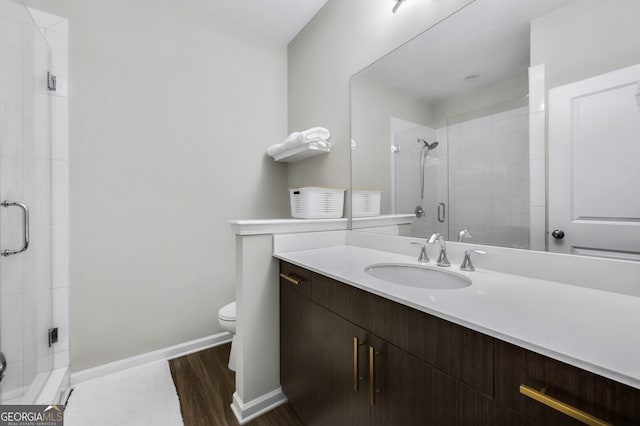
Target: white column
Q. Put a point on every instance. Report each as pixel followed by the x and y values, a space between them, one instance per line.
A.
pixel 257 328
pixel 257 343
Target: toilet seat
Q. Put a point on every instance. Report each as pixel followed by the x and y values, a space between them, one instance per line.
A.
pixel 228 312
pixel 227 320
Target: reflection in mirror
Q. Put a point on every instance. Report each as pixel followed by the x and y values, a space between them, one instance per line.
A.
pixel 489 173
pixel 441 128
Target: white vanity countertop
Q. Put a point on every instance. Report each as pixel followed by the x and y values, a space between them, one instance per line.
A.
pixel 282 226
pixel 592 329
pixel 287 225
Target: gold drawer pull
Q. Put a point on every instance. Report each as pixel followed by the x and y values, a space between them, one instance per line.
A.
pixel 291 278
pixel 356 365
pixel 373 391
pixel 564 408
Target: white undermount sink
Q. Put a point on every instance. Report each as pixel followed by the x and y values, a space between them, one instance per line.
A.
pixel 418 276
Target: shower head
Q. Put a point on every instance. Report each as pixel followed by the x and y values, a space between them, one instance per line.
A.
pixel 428 145
pixel 424 154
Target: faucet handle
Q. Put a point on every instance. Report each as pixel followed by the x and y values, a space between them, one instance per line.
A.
pixel 442 257
pixel 435 237
pixel 422 258
pixel 464 233
pixel 466 263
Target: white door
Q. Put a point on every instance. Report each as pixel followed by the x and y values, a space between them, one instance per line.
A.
pixel 594 166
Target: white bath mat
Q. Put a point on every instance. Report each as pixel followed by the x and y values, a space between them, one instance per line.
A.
pixel 139 396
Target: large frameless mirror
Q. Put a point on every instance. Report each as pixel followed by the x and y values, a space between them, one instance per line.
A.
pixel 450 130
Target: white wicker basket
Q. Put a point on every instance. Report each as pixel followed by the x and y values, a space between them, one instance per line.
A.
pixel 316 203
pixel 365 203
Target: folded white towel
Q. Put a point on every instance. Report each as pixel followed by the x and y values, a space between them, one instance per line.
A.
pixel 316 133
pixel 279 148
pixel 307 136
pixel 320 142
pixel 276 149
pixel 318 136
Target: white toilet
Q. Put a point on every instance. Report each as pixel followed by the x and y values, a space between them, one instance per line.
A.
pixel 227 320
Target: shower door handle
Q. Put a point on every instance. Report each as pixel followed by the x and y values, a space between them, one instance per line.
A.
pixel 442 212
pixel 3 366
pixel 25 227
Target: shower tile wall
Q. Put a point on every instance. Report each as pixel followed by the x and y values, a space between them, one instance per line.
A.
pixel 489 178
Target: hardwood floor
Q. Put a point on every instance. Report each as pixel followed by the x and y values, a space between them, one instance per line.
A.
pixel 205 387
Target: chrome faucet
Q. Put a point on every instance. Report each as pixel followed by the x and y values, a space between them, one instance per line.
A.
pixel 422 258
pixel 466 263
pixel 442 257
pixel 464 233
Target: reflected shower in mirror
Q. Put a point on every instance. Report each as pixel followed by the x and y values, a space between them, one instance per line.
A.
pixel 481 184
pixel 489 174
pixel 419 177
pixel 441 127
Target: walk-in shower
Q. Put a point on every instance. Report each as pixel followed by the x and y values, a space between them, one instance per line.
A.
pixel 474 178
pixel 33 207
pixel 419 175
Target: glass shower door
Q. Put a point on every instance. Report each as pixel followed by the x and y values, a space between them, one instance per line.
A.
pixel 25 205
pixel 420 180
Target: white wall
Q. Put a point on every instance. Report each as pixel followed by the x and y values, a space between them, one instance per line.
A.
pixel 170 113
pixel 372 106
pixel 495 95
pixel 344 37
pixel 586 38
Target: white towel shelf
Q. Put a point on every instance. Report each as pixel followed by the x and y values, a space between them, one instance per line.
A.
pixel 301 153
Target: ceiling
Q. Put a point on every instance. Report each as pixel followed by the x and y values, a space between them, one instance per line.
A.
pixel 279 20
pixel 489 38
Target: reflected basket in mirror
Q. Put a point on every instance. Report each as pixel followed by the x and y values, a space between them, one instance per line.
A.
pixel 365 203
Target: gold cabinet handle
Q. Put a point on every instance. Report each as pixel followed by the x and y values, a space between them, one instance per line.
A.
pixel 564 408
pixel 291 278
pixel 356 364
pixel 373 391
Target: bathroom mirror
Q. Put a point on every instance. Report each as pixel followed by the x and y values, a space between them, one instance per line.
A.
pixel 441 128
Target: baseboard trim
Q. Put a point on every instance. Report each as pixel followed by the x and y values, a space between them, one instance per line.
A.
pixel 245 412
pixel 168 353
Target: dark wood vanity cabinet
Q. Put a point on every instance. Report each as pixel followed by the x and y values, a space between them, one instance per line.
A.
pixel 598 396
pixel 316 362
pixel 349 357
pixel 412 392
